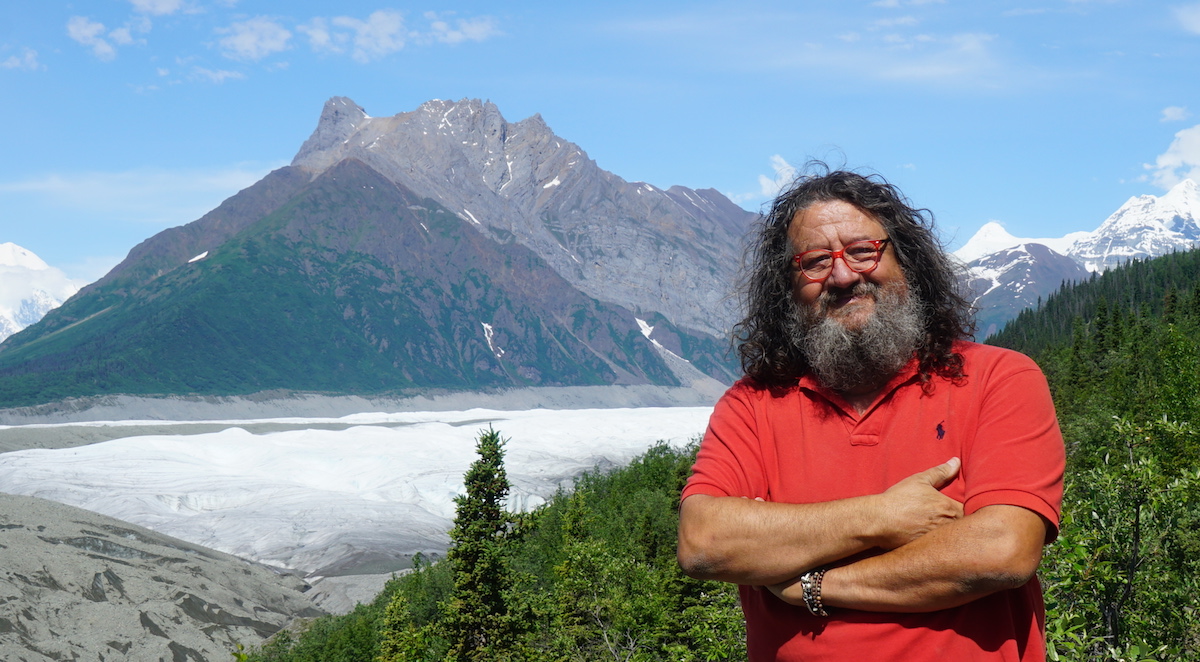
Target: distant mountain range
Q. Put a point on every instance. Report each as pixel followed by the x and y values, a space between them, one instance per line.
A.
pixel 449 248
pixel 441 248
pixel 1008 274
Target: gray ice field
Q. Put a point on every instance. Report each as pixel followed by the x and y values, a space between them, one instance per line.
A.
pixel 341 491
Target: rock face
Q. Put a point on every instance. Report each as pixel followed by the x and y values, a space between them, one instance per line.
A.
pixel 75 585
pixel 515 262
pixel 1008 281
pixel 674 252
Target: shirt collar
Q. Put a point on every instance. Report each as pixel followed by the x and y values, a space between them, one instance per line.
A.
pixel 908 373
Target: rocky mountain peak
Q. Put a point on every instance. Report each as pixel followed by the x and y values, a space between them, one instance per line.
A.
pixel 629 243
pixel 340 119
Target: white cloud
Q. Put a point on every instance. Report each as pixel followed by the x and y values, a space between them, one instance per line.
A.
pixel 1174 114
pixel 253 39
pixel 88 33
pixel 219 76
pixel 157 7
pixel 472 29
pixel 1189 17
pixel 122 36
pixel 784 174
pixel 320 38
pixel 961 56
pixel 1180 161
pixel 385 32
pixel 26 60
pixel 92 34
pixel 381 34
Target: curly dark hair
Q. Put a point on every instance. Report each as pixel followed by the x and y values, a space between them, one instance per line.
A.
pixel 762 337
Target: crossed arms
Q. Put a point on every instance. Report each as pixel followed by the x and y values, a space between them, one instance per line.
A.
pixel 933 557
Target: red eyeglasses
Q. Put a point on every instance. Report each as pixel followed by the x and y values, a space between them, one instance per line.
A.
pixel 860 256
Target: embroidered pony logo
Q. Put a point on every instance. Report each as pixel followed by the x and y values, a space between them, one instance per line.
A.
pixel 941 430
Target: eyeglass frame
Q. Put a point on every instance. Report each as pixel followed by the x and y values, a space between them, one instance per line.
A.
pixel 880 245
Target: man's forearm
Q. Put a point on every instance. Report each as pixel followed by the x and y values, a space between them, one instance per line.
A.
pixel 997 548
pixel 756 543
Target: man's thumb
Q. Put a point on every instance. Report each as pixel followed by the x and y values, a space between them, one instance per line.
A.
pixel 945 472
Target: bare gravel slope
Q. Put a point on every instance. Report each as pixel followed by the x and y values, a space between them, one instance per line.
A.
pixel 75 585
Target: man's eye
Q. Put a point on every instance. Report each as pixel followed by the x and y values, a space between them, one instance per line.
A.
pixel 815 261
pixel 861 252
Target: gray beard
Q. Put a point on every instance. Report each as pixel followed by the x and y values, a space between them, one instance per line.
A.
pixel 846 360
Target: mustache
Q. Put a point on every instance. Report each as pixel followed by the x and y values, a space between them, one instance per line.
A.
pixel 831 294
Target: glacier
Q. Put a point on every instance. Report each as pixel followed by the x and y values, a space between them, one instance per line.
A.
pixel 356 494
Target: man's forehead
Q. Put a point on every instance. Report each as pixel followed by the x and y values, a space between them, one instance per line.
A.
pixel 826 220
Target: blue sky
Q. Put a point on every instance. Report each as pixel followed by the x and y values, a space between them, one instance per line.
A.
pixel 121 118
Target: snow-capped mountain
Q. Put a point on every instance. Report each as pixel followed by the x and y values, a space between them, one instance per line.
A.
pixel 1145 226
pixel 29 288
pixel 992 237
pixel 1007 274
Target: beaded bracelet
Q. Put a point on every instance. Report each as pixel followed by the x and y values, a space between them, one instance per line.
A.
pixel 810 583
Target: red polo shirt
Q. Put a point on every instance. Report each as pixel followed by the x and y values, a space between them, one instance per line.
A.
pixel 806 444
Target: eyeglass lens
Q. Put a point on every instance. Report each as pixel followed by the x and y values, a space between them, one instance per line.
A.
pixel 859 256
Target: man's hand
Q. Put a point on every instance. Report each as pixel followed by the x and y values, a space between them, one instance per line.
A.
pixel 914 506
pixel 755 543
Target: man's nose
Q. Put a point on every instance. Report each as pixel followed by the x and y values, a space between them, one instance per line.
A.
pixel 842 275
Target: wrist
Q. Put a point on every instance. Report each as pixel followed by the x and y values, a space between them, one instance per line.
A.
pixel 811 586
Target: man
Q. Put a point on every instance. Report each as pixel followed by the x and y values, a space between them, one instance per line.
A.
pixel 880 487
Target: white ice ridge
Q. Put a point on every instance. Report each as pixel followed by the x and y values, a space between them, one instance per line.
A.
pixel 314 498
pixel 553 182
pixel 198 257
pixel 473 219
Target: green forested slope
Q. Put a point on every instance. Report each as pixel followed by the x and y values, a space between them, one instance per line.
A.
pixel 350 285
pixel 589 576
pixel 1122 354
pixel 1140 287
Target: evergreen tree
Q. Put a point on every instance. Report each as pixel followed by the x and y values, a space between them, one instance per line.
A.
pixel 1170 305
pixel 478 624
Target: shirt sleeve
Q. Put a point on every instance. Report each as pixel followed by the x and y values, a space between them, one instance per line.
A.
pixel 1017 456
pixel 730 459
